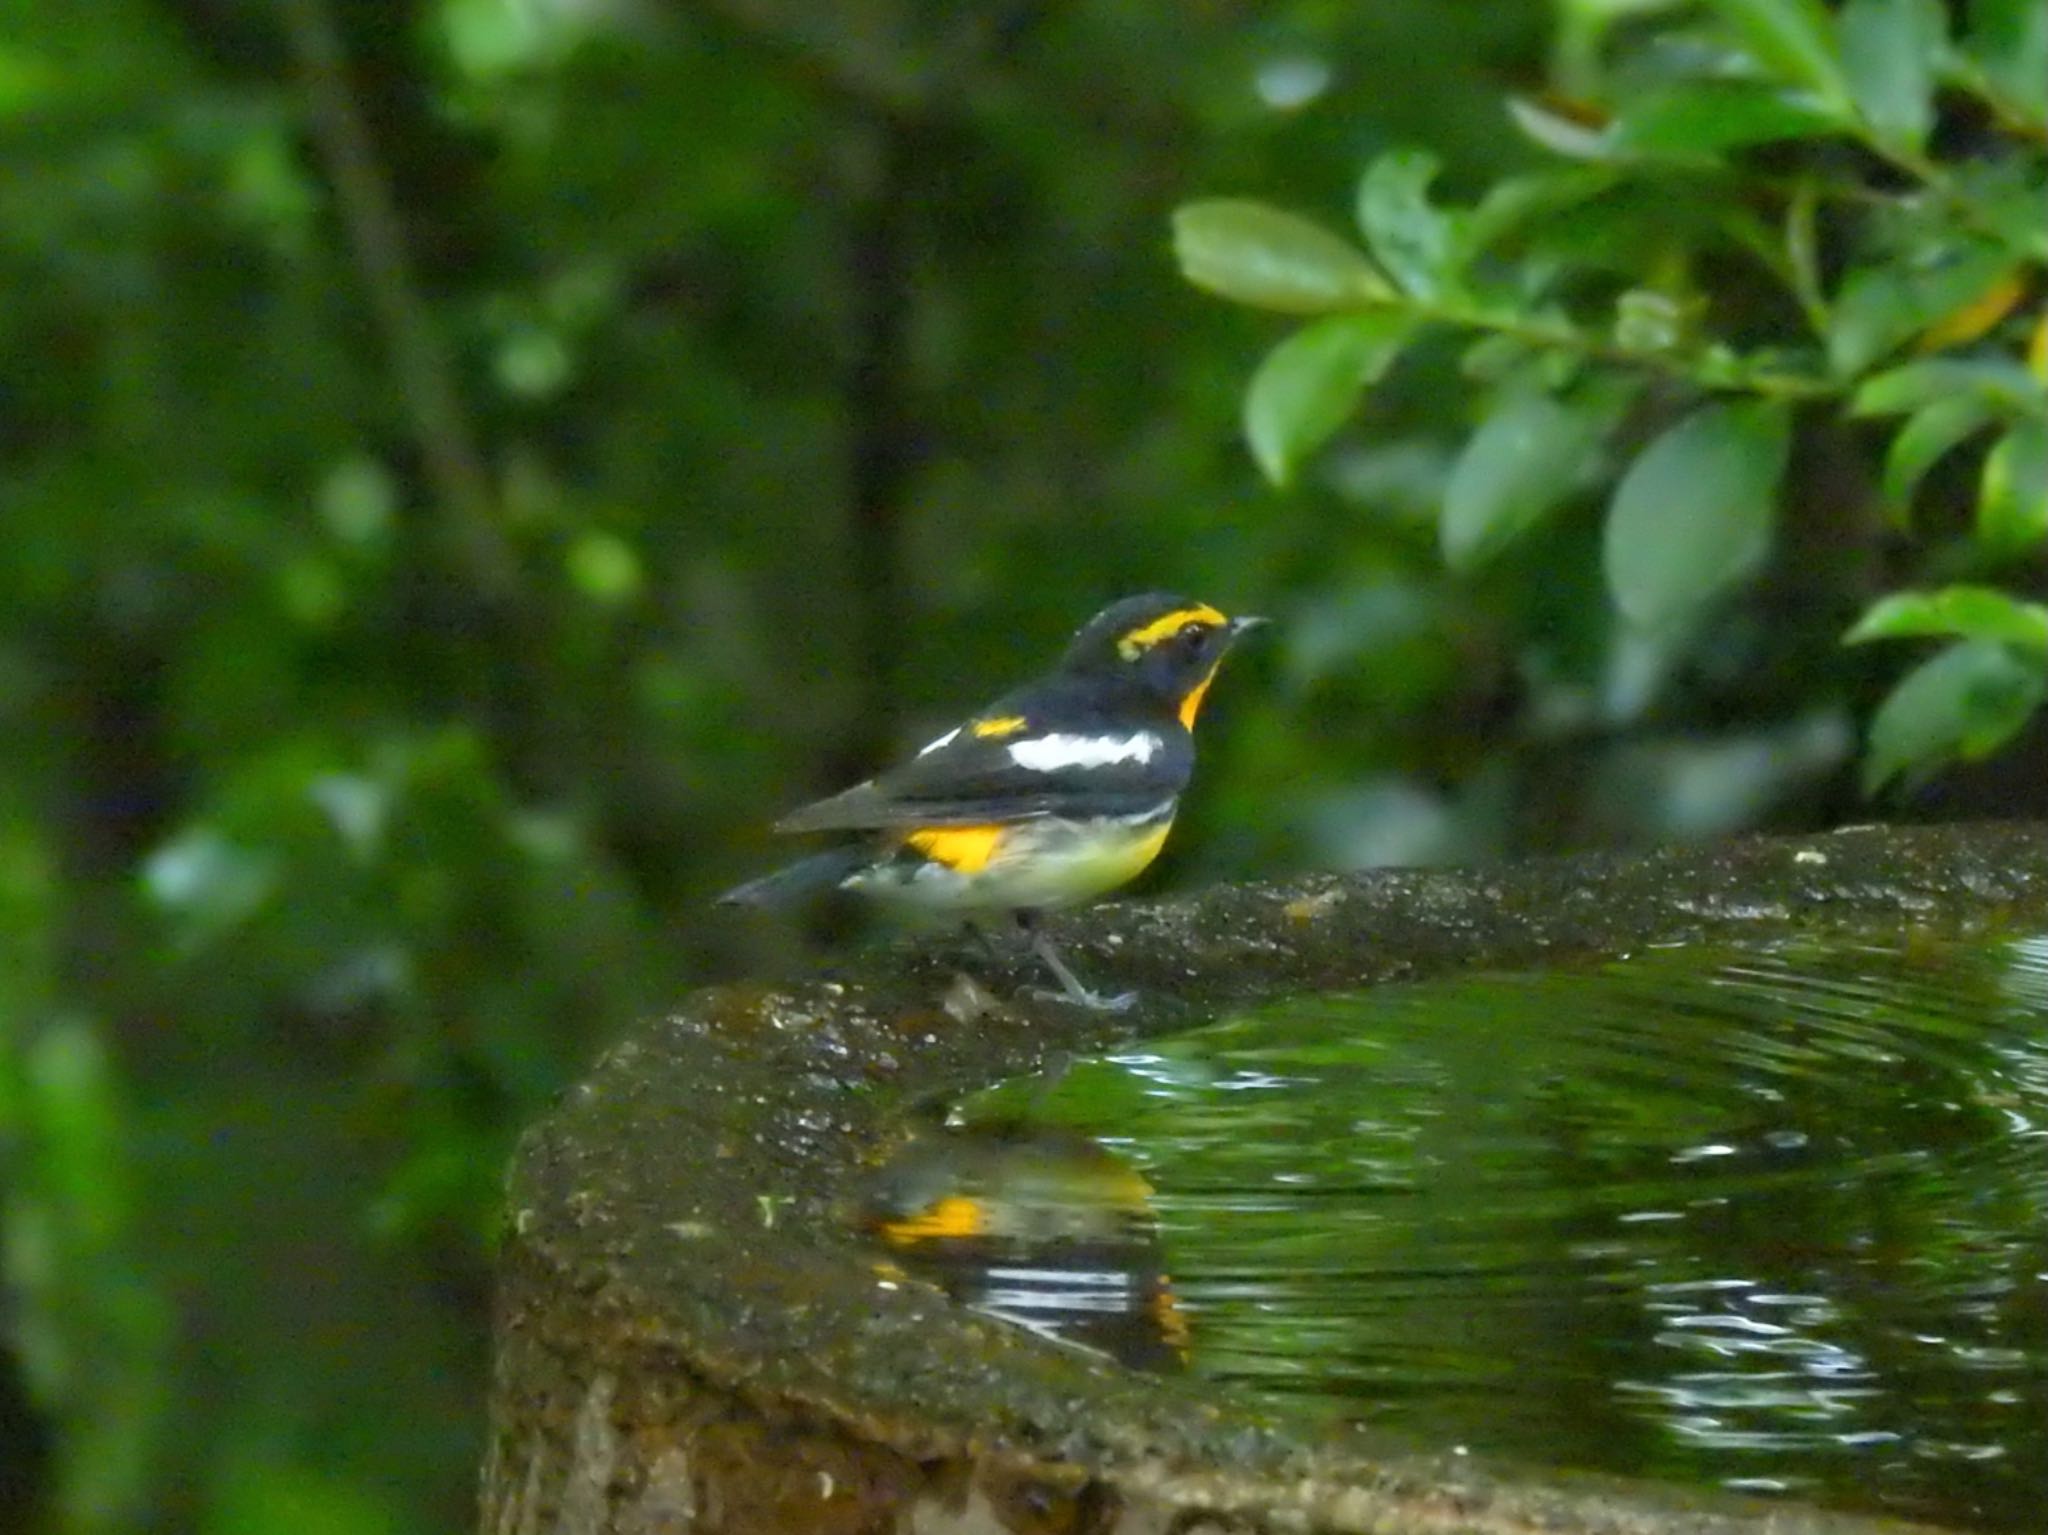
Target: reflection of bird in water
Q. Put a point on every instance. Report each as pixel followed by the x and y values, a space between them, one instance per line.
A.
pixel 1043 1228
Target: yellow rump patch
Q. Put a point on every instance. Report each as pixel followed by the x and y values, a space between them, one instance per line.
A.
pixel 1148 635
pixel 996 729
pixel 963 849
pixel 954 1217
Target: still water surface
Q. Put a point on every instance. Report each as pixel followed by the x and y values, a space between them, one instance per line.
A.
pixel 1771 1219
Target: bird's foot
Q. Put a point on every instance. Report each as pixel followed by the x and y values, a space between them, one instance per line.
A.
pixel 1081 996
pixel 1071 989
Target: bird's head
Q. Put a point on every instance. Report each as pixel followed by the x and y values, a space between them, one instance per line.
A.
pixel 1167 646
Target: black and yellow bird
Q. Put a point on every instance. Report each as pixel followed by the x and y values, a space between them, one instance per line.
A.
pixel 1055 793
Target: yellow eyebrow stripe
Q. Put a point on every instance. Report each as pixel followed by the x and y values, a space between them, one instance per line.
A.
pixel 996 729
pixel 1151 634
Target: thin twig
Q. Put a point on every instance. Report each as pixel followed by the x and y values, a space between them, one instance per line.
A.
pixel 1704 372
pixel 419 360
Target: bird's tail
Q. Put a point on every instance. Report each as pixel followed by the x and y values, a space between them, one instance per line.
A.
pixel 794 882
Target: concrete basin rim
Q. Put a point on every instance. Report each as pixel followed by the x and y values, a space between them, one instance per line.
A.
pixel 800 1087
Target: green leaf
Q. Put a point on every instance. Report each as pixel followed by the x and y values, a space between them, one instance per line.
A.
pixel 2012 505
pixel 1802 252
pixel 28 948
pixel 1309 384
pixel 27 82
pixel 208 884
pixel 1922 443
pixel 1795 40
pixel 75 1108
pixel 1955 612
pixel 1647 321
pixel 1412 239
pixel 1694 513
pixel 1523 461
pixel 1558 133
pixel 1890 49
pixel 1706 117
pixel 2002 384
pixel 1493 357
pixel 2009 195
pixel 2008 39
pixel 91 1336
pixel 1512 205
pixel 256 1497
pixel 1963 703
pixel 1883 305
pixel 1261 256
pixel 604 567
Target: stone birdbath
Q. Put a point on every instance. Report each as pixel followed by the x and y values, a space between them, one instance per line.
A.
pixel 690 1336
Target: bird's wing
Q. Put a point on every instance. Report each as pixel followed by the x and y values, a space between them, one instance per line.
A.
pixel 1002 767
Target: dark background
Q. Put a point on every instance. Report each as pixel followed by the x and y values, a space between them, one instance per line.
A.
pixel 465 465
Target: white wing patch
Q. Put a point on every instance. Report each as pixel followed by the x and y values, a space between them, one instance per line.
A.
pixel 1049 754
pixel 945 740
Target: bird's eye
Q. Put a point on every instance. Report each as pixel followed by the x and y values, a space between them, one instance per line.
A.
pixel 1190 633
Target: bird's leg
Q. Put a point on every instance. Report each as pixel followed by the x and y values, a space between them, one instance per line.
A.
pixel 1071 988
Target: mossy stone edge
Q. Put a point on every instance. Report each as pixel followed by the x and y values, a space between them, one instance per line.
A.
pixel 689 1338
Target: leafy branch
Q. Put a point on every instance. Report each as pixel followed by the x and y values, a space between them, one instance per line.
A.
pixel 1913 298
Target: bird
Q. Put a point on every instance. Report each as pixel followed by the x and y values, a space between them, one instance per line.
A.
pixel 1055 793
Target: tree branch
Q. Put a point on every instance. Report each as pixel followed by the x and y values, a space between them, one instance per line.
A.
pixel 419 361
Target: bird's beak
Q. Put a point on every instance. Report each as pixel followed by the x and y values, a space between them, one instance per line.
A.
pixel 1240 626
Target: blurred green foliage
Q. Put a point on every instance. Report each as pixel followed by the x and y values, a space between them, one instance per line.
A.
pixel 1607 342
pixel 464 464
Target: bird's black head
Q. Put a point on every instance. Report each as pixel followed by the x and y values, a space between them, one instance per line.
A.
pixel 1167 646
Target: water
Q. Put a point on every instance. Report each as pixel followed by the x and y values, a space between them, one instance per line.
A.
pixel 1770 1219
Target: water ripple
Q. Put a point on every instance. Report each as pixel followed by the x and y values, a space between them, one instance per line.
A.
pixel 1774 1218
